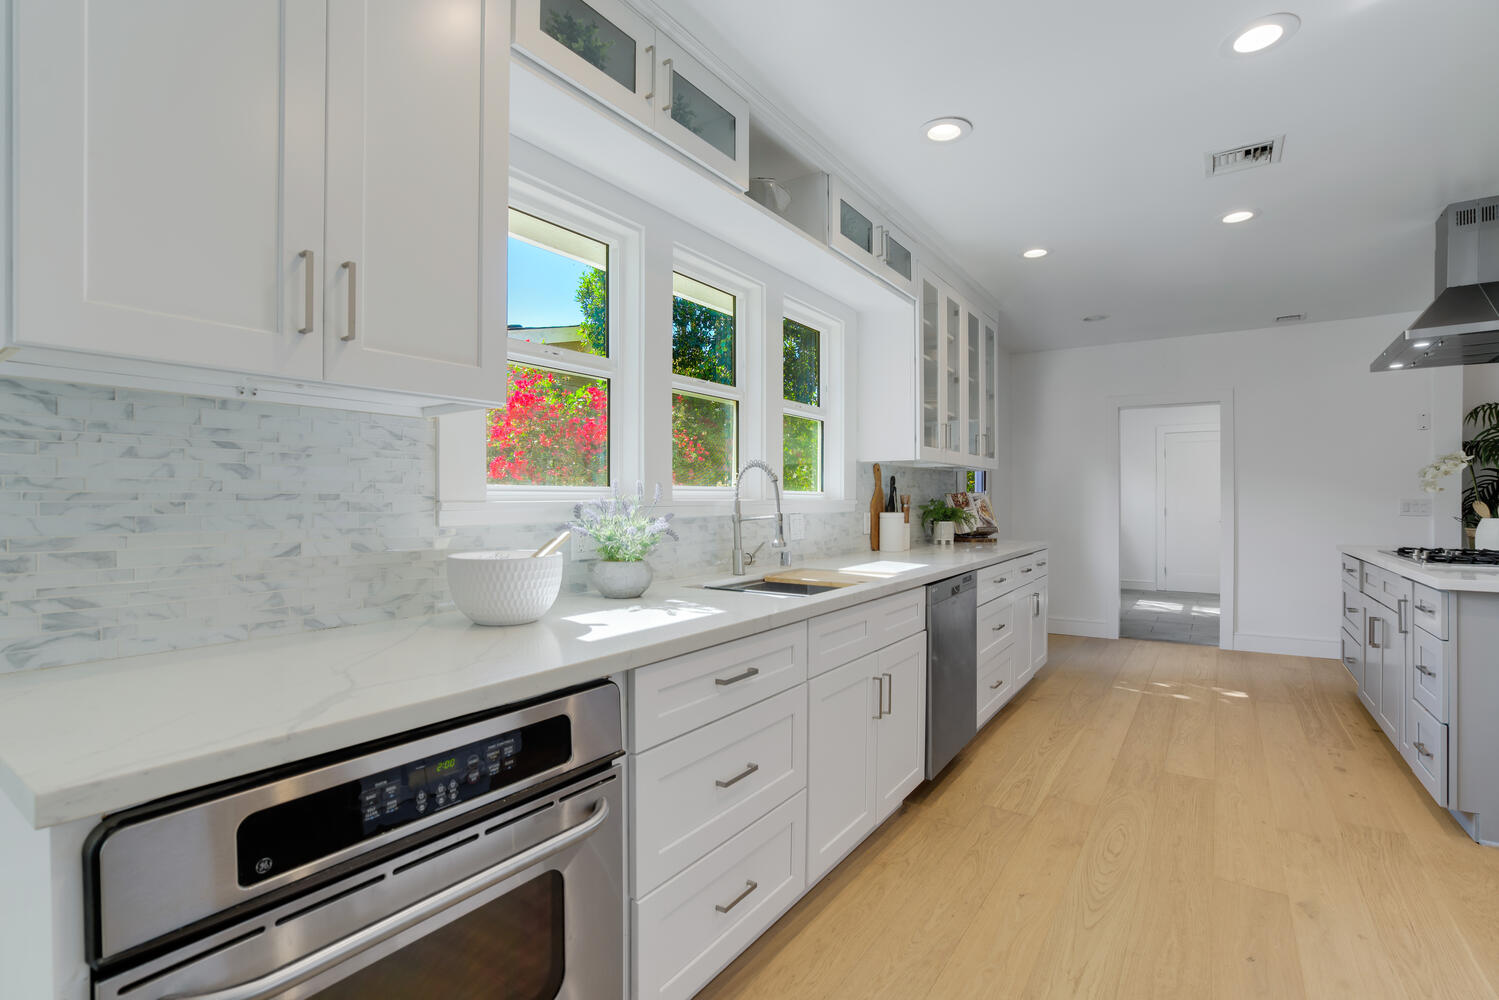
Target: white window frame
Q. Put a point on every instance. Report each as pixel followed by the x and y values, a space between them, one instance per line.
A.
pixel 749 371
pixel 829 410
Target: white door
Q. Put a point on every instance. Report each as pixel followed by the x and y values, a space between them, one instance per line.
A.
pixel 168 179
pixel 900 732
pixel 842 704
pixel 418 188
pixel 1190 510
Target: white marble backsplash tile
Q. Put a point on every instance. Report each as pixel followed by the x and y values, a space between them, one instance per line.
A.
pixel 134 522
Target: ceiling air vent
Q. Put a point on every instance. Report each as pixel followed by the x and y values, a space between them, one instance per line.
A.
pixel 1256 154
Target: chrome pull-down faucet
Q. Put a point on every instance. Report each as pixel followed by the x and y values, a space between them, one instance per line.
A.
pixel 779 541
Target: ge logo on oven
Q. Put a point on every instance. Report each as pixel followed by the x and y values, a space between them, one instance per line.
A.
pixel 263 865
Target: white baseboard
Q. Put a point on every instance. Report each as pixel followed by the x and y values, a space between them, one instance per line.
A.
pixel 1288 645
pixel 1136 584
pixel 1085 627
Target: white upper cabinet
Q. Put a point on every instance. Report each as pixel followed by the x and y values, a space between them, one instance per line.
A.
pixel 959 400
pixel 603 46
pixel 700 115
pixel 860 233
pixel 414 273
pixel 169 180
pixel 311 191
pixel 617 56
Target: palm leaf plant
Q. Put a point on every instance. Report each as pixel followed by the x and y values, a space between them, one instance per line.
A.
pixel 1481 495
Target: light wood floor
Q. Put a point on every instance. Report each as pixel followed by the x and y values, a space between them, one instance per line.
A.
pixel 1153 820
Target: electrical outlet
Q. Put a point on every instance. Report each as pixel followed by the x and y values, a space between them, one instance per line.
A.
pixel 796 526
pixel 1415 508
pixel 866 522
pixel 584 547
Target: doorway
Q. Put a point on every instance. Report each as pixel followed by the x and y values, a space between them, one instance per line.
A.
pixel 1170 523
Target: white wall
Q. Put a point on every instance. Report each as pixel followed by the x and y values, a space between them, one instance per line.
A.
pixel 1137 485
pixel 1324 452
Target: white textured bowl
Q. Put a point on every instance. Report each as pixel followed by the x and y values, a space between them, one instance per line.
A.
pixel 504 588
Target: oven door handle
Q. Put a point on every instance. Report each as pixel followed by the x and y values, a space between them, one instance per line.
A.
pixel 345 948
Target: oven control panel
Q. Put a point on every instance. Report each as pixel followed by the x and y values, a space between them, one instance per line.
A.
pixel 294 833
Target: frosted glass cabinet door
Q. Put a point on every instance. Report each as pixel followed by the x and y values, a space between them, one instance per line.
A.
pixel 931 367
pixel 700 115
pixel 991 390
pixel 168 179
pixel 601 45
pixel 952 355
pixel 417 184
pixel 973 385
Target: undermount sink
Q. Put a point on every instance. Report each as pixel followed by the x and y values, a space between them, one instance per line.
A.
pixel 770 587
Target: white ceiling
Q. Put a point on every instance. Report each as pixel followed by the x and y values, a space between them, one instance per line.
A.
pixel 1091 120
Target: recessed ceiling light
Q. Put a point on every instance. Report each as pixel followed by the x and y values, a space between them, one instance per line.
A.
pixel 1096 318
pixel 947 129
pixel 1242 215
pixel 1261 34
pixel 1397 364
pixel 1035 252
pixel 1421 343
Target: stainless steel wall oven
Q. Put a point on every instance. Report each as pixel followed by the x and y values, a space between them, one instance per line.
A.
pixel 478 860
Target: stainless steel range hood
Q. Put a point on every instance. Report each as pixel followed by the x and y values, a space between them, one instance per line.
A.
pixel 1462 326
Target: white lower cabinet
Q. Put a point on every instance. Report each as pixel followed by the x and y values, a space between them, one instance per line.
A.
pixel 690 928
pixel 900 731
pixel 1427 739
pixel 996 680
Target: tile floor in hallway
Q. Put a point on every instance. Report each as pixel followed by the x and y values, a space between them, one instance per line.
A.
pixel 1169 616
pixel 1155 821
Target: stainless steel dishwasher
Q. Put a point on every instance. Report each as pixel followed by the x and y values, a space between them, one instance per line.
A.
pixel 952 669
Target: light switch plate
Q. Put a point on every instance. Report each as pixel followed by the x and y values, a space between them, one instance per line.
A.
pixel 1415 508
pixel 796 526
pixel 583 547
pixel 866 522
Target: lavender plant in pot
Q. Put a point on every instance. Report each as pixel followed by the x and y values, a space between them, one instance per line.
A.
pixel 624 529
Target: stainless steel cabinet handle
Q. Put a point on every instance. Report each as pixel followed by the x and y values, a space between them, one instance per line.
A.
pixel 1421 607
pixel 750 885
pixel 650 57
pixel 1400 615
pixel 1350 660
pixel 998 628
pixel 310 259
pixel 352 268
pixel 997 684
pixel 1001 579
pixel 1350 570
pixel 1421 749
pixel 1035 605
pixel 726 681
pixel 1423 668
pixel 1351 611
pixel 666 67
pixel 1041 562
pixel 736 779
pixel 889 687
pixel 879 696
pixel 1372 643
pixel 1029 569
pixel 305 968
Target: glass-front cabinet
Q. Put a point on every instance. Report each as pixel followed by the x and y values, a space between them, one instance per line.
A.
pixel 863 235
pixel 959 391
pixel 615 54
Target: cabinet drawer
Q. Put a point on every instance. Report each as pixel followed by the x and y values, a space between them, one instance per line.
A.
pixel 1429 609
pixel 1352 572
pixel 690 928
pixel 1000 579
pixel 996 624
pixel 996 681
pixel 1429 673
pixel 1387 588
pixel 843 636
pixel 1039 561
pixel 698 790
pixel 677 695
pixel 1428 750
pixel 1353 656
pixel 1353 610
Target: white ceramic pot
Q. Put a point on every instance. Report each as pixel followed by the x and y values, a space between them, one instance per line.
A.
pixel 943 532
pixel 504 588
pixel 620 580
pixel 1487 536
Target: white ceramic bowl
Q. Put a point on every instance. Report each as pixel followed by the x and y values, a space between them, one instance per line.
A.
pixel 504 588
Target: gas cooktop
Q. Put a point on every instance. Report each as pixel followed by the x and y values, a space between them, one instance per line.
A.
pixel 1475 558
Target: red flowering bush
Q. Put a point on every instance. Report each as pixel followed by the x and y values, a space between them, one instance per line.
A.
pixel 554 430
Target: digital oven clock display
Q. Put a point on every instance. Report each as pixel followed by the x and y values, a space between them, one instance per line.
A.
pixel 445 766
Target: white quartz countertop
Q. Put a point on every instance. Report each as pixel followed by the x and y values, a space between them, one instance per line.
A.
pixel 79 741
pixel 1485 581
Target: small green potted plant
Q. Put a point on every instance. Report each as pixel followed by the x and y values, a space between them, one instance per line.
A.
pixel 943 520
pixel 625 529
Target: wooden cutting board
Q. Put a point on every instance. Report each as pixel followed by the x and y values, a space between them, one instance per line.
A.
pixel 816 577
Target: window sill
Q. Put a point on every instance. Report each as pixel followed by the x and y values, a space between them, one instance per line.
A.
pixel 557 511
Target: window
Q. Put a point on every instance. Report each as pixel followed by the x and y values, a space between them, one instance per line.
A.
pixel 802 421
pixel 554 429
pixel 706 393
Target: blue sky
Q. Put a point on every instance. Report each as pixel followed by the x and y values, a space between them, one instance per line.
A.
pixel 542 286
